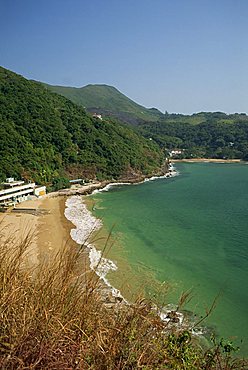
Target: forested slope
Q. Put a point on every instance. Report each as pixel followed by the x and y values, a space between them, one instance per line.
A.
pixel 109 101
pixel 206 134
pixel 44 136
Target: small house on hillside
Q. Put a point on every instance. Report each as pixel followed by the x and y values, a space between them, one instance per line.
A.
pixel 176 152
pixel 99 116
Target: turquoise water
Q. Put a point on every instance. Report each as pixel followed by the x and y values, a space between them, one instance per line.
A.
pixel 192 231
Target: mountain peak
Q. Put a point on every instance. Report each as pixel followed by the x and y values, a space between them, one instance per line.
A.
pixel 109 101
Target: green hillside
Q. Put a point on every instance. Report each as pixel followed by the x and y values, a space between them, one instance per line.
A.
pixel 204 117
pixel 107 100
pixel 44 137
pixel 205 134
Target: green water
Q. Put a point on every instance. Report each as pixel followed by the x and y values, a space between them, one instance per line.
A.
pixel 192 230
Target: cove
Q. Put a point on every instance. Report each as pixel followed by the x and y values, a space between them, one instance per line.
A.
pixel 190 231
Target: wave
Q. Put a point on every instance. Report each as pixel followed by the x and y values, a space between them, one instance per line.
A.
pixel 109 186
pixel 77 212
pixel 171 173
pixel 183 320
pixel 166 176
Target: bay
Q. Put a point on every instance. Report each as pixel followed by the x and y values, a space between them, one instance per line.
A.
pixel 190 231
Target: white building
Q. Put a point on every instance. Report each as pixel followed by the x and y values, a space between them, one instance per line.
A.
pixel 17 191
pixel 176 152
pixel 99 116
pixel 39 191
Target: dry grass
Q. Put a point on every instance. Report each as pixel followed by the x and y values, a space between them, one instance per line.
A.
pixel 54 317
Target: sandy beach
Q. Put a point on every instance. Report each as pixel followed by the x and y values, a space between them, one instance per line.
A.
pixel 47 227
pixel 61 220
pixel 50 232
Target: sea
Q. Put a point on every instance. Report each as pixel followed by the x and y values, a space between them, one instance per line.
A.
pixel 187 233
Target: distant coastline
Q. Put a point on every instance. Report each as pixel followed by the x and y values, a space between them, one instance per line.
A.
pixel 167 170
pixel 207 160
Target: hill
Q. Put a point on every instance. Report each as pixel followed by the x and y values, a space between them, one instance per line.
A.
pixel 109 101
pixel 205 134
pixel 45 136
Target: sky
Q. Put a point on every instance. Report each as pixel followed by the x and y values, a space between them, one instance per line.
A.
pixel 180 56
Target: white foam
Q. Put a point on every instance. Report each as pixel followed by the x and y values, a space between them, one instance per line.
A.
pixel 168 315
pixel 109 186
pixel 177 318
pixel 77 212
pixel 80 216
pixel 172 173
pixel 166 176
pixel 100 264
pixel 198 331
pixel 171 316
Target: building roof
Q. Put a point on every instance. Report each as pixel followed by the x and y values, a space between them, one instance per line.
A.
pixel 15 189
pixel 13 183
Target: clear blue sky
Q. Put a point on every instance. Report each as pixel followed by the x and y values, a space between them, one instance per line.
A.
pixel 182 56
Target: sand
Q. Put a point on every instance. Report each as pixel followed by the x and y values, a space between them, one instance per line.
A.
pixel 54 228
pixel 49 230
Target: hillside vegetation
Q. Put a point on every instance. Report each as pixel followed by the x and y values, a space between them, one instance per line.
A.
pixel 44 136
pixel 109 101
pixel 210 135
pixel 204 134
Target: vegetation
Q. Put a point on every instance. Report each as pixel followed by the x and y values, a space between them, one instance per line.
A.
pixel 209 135
pixel 44 136
pixel 53 317
pixel 110 102
pixel 205 134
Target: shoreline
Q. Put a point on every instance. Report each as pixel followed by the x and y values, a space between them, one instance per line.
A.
pixel 56 205
pixel 85 224
pixel 53 230
pixel 105 185
pixel 207 160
